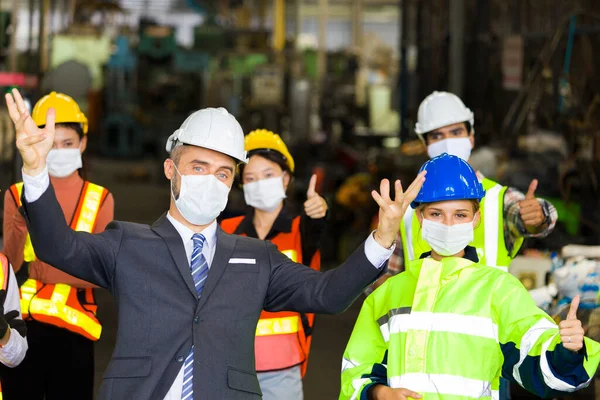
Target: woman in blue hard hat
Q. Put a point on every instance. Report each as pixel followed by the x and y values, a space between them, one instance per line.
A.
pixel 449 327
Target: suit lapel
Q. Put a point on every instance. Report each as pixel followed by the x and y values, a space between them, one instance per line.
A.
pixel 225 246
pixel 167 231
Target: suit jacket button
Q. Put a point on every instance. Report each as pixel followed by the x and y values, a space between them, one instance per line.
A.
pixel 197 319
pixel 180 359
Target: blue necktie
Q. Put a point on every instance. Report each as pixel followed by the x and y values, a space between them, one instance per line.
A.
pixel 199 268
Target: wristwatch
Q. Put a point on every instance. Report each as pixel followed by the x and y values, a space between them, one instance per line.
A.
pixel 547 218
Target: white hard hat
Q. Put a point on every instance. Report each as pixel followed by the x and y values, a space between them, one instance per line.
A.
pixel 441 109
pixel 214 129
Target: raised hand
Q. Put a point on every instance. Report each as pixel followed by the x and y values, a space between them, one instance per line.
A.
pixel 315 206
pixel 531 209
pixel 392 211
pixel 33 143
pixel 571 331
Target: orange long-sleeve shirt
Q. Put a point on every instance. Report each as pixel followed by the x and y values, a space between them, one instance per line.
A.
pixel 67 191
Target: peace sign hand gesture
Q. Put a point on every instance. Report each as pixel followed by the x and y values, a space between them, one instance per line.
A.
pixel 392 211
pixel 33 143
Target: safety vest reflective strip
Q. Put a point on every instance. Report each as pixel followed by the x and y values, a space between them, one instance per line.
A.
pixel 489 234
pixel 57 309
pixel 3 271
pixel 89 207
pixel 28 253
pixel 283 325
pixel 86 213
pixel 277 326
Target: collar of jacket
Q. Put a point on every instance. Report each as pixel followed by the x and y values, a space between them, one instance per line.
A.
pixel 282 224
pixel 450 265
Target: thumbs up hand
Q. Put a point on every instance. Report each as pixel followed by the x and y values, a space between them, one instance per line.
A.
pixel 571 331
pixel 315 206
pixel 531 209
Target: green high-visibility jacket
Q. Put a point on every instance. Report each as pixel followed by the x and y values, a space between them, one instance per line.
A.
pixel 449 330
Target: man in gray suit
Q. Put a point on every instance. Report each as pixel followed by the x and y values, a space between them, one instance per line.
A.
pixel 190 295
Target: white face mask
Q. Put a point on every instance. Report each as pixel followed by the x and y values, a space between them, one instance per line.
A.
pixel 201 198
pixel 447 240
pixel 460 147
pixel 266 194
pixel 63 162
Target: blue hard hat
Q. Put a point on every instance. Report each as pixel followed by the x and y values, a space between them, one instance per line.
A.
pixel 448 178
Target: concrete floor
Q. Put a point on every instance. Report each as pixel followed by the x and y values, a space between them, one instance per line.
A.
pixel 144 201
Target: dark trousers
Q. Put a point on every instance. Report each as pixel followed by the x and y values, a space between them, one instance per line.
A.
pixel 59 365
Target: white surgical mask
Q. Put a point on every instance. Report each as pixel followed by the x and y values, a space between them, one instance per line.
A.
pixel 447 240
pixel 201 198
pixel 63 162
pixel 266 194
pixel 460 147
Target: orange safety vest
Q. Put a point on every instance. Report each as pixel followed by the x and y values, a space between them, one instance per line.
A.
pixel 59 304
pixel 282 340
pixel 3 285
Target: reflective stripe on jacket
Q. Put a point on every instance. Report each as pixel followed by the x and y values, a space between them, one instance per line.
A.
pixel 448 330
pixel 59 304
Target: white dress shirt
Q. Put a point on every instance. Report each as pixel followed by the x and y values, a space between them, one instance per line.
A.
pixel 14 351
pixel 34 187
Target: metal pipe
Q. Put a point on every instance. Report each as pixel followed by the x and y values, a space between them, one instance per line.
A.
pixel 71 13
pixel 43 35
pixel 403 81
pixel 2 28
pixel 517 108
pixel 567 64
pixel 457 53
pixel 358 7
pixel 30 58
pixel 298 20
pixel 322 55
pixel 12 57
pixel 279 25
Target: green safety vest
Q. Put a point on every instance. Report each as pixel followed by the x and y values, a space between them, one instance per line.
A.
pixel 448 330
pixel 489 233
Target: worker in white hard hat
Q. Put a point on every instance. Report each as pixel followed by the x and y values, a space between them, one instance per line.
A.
pixel 445 125
pixel 190 295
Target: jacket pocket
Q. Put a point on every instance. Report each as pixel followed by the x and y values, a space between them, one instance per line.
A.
pixel 242 380
pixel 245 267
pixel 129 367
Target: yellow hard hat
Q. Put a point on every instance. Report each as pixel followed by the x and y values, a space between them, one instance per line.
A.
pixel 66 108
pixel 264 139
